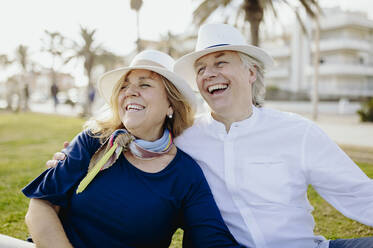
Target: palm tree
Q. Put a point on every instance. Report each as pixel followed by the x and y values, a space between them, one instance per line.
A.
pixel 253 11
pixel 136 6
pixel 23 59
pixel 170 43
pixel 92 55
pixel 88 51
pixel 10 85
pixel 109 60
pixel 54 44
pixel 5 61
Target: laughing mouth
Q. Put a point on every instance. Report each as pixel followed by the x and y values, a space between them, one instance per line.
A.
pixel 217 88
pixel 134 107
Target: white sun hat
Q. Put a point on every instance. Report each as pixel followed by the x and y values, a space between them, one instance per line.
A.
pixel 213 38
pixel 151 60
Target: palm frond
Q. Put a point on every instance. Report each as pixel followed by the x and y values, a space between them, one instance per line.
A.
pixel 299 18
pixel 206 8
pixel 272 8
pixel 4 60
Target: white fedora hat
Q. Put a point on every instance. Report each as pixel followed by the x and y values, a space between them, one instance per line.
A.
pixel 213 38
pixel 151 60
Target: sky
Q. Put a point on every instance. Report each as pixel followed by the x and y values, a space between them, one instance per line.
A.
pixel 24 21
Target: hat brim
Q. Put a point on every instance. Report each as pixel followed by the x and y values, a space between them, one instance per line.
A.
pixel 108 80
pixel 184 66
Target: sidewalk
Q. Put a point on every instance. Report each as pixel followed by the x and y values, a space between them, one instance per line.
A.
pixel 353 136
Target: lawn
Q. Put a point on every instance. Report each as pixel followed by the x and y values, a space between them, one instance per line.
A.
pixel 28 140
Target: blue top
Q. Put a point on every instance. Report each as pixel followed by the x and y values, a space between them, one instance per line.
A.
pixel 127 207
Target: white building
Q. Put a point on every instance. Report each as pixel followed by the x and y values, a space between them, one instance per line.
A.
pixel 346 56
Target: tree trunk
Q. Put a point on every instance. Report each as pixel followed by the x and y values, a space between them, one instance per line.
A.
pixel 254 15
pixel 138 45
pixel 254 30
pixel 87 108
pixel 315 92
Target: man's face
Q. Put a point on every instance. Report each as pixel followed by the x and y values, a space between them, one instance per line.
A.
pixel 225 84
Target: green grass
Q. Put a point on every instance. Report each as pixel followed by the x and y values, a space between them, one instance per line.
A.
pixel 28 140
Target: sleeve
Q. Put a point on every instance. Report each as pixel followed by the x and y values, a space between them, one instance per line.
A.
pixel 201 220
pixel 56 184
pixel 336 177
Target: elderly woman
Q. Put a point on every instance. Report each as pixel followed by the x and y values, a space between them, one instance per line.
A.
pixel 124 183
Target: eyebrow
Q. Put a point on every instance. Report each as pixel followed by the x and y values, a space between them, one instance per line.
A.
pixel 216 56
pixel 219 55
pixel 144 78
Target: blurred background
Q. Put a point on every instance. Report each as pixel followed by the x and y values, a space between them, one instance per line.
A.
pixel 52 52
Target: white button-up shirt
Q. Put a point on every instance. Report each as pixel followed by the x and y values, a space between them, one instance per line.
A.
pixel 260 170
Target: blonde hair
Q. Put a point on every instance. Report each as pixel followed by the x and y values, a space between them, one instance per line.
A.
pixel 183 113
pixel 258 88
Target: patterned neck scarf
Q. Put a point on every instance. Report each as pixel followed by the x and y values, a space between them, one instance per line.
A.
pixel 120 140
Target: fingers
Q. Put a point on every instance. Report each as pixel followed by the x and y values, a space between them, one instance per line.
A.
pixel 56 157
pixel 51 163
pixel 59 156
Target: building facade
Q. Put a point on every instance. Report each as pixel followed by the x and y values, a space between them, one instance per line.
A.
pixel 346 57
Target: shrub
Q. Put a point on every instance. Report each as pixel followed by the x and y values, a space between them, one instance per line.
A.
pixel 366 111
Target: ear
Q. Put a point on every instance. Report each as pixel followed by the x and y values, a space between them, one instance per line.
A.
pixel 253 73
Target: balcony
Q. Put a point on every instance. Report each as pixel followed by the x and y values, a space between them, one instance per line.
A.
pixel 344 44
pixel 343 69
pixel 278 73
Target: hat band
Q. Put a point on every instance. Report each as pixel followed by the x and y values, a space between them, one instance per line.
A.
pixel 147 63
pixel 217 45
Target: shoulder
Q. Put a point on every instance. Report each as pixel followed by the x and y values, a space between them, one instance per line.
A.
pixel 273 113
pixel 201 121
pixel 188 166
pixel 84 140
pixel 87 137
pixel 185 158
pixel 196 130
pixel 283 118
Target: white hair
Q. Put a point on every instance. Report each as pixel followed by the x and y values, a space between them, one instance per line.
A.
pixel 258 88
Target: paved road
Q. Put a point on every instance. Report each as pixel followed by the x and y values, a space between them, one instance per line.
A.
pixel 345 129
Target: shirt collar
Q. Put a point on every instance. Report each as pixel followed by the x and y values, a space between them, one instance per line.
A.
pixel 214 126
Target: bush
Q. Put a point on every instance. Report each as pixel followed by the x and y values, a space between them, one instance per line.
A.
pixel 366 111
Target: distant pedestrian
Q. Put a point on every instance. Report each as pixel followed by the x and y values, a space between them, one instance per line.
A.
pixel 91 98
pixel 54 92
pixel 26 97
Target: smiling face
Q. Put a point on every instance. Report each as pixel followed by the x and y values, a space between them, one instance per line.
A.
pixel 143 104
pixel 225 84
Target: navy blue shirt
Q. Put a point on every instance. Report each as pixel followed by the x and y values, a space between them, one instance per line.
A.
pixel 127 207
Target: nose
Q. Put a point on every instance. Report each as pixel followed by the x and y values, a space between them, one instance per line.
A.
pixel 209 73
pixel 131 90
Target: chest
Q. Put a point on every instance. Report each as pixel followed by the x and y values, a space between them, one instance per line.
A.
pixel 125 206
pixel 260 168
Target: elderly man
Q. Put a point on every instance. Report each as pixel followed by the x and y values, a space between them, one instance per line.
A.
pixel 259 162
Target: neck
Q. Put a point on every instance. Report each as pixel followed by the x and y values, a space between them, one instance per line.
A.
pixel 147 135
pixel 228 119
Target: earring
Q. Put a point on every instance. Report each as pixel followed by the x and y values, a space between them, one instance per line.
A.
pixel 170 116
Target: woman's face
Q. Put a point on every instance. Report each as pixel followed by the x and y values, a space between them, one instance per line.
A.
pixel 143 104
